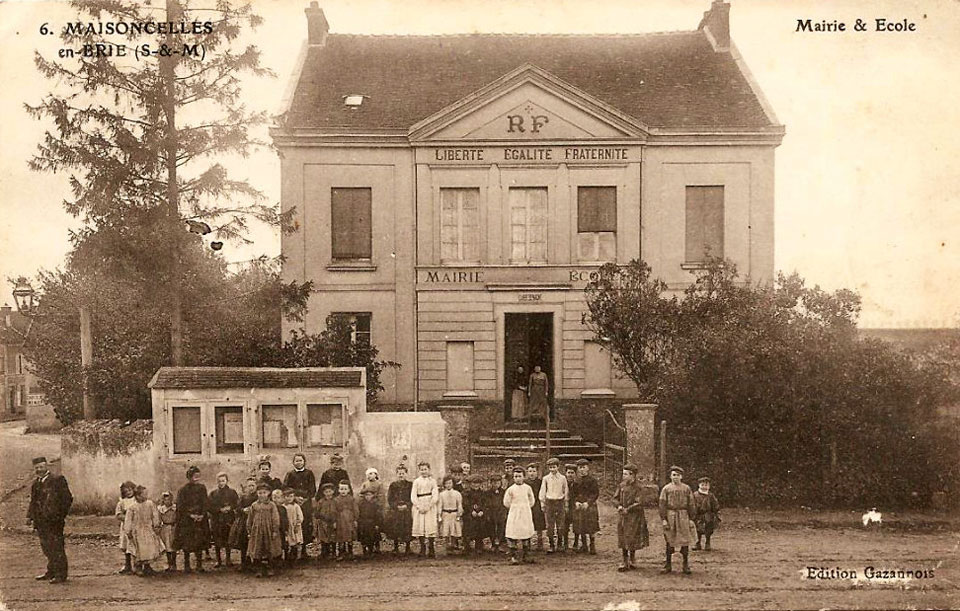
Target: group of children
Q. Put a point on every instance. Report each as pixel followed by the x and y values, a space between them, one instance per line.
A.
pixel 271 522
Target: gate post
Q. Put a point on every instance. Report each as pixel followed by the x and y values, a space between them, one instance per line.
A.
pixel 639 421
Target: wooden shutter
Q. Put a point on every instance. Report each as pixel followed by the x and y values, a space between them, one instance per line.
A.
pixel 704 222
pixel 351 222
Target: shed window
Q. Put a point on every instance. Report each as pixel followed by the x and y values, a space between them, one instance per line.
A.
pixel 459 225
pixel 324 424
pixel 228 421
pixel 597 223
pixel 351 221
pixel 280 426
pixel 704 223
pixel 186 430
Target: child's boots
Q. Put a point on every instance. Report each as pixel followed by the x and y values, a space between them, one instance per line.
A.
pixel 593 546
pixel 668 566
pixel 432 553
pixel 423 546
pixel 707 546
pixel 127 565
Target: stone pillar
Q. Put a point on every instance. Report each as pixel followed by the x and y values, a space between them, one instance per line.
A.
pixel 457 437
pixel 639 420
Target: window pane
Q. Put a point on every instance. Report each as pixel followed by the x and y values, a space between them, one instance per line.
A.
pixel 596 209
pixel 325 424
pixel 186 430
pixel 361 324
pixel 459 223
pixel 704 222
pixel 528 224
pixel 280 426
pixel 229 429
pixel 459 365
pixel 351 220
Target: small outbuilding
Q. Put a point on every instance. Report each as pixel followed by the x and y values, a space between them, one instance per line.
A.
pixel 228 418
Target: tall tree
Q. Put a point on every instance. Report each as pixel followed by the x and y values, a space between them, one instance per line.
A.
pixel 147 132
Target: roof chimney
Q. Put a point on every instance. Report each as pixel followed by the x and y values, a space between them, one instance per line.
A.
pixel 317 26
pixel 716 25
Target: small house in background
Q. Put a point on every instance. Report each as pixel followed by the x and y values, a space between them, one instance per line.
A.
pixel 227 418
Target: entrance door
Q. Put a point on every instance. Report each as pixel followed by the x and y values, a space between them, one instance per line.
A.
pixel 528 342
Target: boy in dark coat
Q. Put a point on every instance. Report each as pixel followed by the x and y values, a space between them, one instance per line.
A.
pixel 496 513
pixel 336 473
pixel 192 534
pixel 708 512
pixel 632 532
pixel 474 515
pixel 585 514
pixel 369 522
pixel 539 519
pixel 325 516
pixel 399 524
pixel 570 471
pixel 224 503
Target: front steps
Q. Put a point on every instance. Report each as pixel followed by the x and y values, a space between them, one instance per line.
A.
pixel 528 443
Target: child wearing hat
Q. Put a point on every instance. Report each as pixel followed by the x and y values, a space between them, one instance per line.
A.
pixel 369 522
pixel 494 512
pixel 519 501
pixel 474 515
pixel 708 512
pixel 373 484
pixel 399 522
pixel 586 517
pixel 554 494
pixel 325 521
pixel 632 532
pixel 677 509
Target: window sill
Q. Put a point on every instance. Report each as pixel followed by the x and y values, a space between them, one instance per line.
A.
pixel 460 394
pixel 695 265
pixel 597 393
pixel 352 266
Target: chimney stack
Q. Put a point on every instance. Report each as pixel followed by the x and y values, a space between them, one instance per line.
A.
pixel 317 26
pixel 716 24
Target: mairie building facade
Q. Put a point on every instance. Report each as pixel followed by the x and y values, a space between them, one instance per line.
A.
pixel 453 195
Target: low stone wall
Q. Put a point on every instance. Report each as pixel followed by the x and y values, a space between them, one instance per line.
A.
pixel 41 418
pixel 98 455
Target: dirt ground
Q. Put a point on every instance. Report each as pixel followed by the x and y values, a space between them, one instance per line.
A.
pixel 759 561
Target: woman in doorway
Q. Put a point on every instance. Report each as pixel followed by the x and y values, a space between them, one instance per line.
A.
pixel 538 388
pixel 518 400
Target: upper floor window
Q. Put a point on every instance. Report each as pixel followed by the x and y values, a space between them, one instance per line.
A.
pixel 360 325
pixel 351 223
pixel 459 225
pixel 528 225
pixel 704 223
pixel 597 223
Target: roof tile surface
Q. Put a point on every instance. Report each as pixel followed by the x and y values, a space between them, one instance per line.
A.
pixel 247 377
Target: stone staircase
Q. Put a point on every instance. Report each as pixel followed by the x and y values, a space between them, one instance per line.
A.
pixel 526 443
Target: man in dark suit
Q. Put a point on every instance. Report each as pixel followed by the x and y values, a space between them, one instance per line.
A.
pixel 50 500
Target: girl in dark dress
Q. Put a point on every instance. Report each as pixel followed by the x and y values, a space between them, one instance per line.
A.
pixel 224 503
pixel 399 520
pixel 192 534
pixel 632 531
pixel 302 479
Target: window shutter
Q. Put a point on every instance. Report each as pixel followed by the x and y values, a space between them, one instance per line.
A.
pixel 704 222
pixel 351 223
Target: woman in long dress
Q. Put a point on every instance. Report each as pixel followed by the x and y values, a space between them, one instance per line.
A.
pixel 539 386
pixel 518 400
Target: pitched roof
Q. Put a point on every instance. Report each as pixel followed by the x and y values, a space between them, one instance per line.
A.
pixel 669 80
pixel 255 377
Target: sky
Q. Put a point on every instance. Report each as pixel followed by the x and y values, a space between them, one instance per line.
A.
pixel 867 177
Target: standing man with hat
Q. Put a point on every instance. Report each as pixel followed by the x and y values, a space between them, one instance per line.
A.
pixel 677 509
pixel 50 500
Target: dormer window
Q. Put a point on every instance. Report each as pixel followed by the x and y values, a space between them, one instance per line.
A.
pixel 353 101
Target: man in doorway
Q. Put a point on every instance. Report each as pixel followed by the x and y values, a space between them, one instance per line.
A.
pixel 50 500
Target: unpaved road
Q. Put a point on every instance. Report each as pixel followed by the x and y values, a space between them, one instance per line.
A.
pixel 754 567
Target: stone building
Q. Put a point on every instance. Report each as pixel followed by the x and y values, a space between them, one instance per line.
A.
pixel 453 194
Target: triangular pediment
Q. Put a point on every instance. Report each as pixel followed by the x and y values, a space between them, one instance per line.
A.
pixel 527 104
